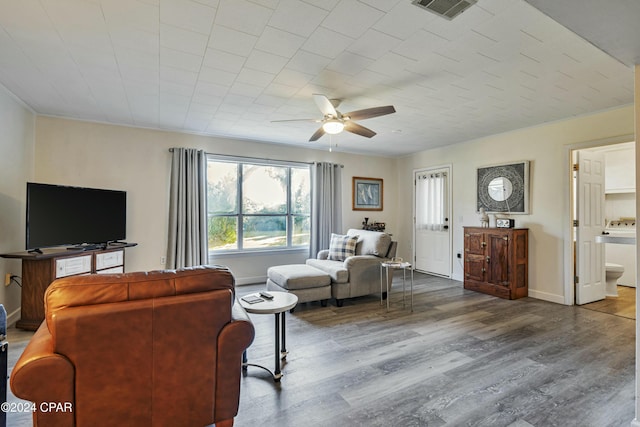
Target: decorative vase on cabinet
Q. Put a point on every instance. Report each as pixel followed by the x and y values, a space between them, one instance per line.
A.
pixel 496 261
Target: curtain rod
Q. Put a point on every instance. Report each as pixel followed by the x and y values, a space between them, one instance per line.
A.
pixel 254 158
pixel 319 163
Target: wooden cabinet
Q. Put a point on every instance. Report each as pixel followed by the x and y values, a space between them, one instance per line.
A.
pixel 496 261
pixel 40 269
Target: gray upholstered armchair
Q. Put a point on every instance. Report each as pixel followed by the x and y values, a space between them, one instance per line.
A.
pixel 359 274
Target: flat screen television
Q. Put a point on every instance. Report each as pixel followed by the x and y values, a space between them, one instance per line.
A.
pixel 60 215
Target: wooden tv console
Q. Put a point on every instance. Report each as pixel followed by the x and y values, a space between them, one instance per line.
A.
pixel 40 269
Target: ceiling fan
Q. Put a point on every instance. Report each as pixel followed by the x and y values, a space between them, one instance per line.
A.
pixel 335 122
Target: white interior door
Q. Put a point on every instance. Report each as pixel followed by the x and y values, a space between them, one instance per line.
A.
pixel 432 234
pixel 590 269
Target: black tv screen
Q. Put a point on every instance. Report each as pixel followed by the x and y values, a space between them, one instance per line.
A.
pixel 60 215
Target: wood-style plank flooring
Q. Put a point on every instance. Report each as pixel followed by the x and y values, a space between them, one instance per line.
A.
pixel 460 359
pixel 623 305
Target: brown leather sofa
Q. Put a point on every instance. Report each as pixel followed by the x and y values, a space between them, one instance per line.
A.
pixel 162 348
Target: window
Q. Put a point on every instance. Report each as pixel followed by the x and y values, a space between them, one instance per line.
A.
pixel 257 204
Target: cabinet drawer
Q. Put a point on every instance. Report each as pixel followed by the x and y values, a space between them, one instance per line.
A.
pixel 113 270
pixel 109 259
pixel 72 266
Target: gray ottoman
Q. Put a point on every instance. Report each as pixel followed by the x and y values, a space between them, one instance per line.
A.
pixel 306 282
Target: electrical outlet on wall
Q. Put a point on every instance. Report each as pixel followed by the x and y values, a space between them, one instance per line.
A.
pixel 7 279
pixel 163 260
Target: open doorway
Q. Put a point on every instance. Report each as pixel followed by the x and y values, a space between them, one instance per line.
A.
pixel 603 203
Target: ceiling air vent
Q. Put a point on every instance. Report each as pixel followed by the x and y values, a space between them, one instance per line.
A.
pixel 448 9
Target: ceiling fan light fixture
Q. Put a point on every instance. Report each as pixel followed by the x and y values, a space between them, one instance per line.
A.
pixel 333 126
pixel 334 122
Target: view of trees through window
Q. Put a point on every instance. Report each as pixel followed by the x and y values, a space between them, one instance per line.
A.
pixel 257 206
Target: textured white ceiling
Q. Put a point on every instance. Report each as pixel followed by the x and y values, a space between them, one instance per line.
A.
pixel 229 67
pixel 610 25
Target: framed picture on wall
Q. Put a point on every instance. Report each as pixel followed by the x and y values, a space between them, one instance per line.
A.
pixel 504 188
pixel 367 194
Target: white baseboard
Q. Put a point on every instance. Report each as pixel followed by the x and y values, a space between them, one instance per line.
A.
pixel 13 317
pixel 635 423
pixel 240 281
pixel 558 299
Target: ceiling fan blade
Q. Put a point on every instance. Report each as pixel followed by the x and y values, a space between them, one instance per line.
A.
pixel 297 120
pixel 368 113
pixel 325 105
pixel 316 136
pixel 353 127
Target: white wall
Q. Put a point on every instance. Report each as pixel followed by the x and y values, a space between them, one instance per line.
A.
pixel 16 168
pixel 544 147
pixel 137 160
pixel 79 153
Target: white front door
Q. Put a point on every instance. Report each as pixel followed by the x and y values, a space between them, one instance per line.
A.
pixel 590 269
pixel 432 234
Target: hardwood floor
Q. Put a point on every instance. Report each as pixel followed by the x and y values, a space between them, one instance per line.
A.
pixel 460 359
pixel 18 340
pixel 623 305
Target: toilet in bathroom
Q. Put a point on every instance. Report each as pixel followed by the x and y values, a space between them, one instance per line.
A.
pixel 613 273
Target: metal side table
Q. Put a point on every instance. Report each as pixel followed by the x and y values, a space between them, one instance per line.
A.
pixel 388 265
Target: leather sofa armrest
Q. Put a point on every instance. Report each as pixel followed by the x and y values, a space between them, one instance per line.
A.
pixel 233 340
pixel 37 362
pixel 323 254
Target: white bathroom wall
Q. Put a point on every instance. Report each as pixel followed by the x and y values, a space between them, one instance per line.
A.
pixel 622 205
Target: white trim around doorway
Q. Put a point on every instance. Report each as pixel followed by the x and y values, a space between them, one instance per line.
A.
pixel 569 287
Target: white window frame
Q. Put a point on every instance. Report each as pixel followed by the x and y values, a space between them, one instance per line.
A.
pixel 240 161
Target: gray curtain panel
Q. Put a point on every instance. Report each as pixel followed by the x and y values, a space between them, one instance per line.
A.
pixel 187 209
pixel 326 205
